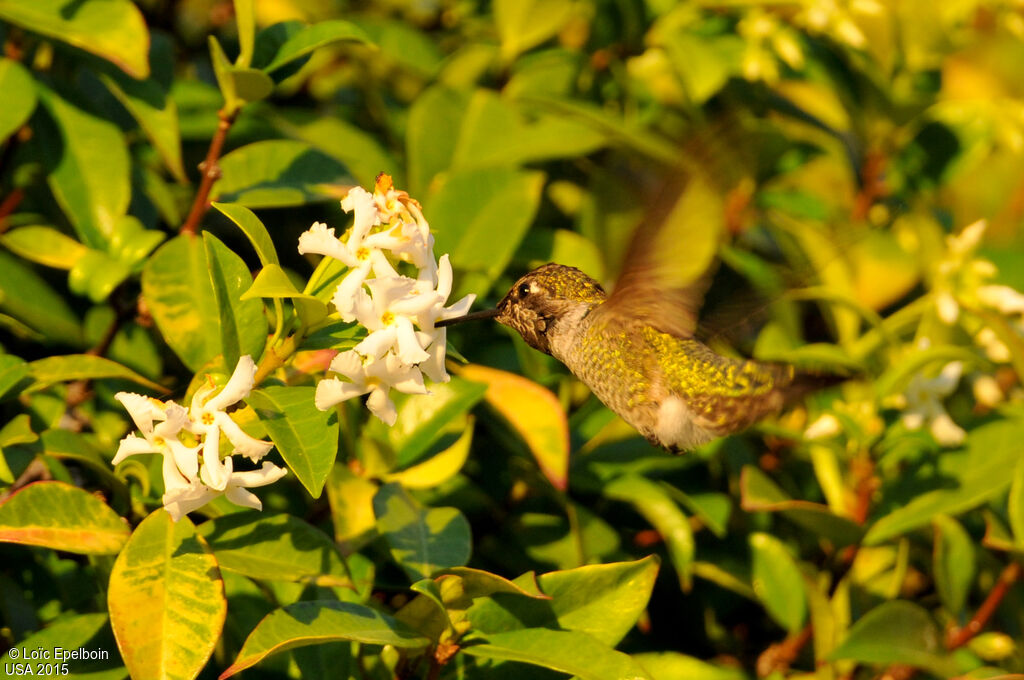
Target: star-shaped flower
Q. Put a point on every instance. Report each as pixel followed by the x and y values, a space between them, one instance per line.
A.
pixel 373 377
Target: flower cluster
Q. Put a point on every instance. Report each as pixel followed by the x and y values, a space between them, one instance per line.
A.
pixel 189 440
pixel 398 311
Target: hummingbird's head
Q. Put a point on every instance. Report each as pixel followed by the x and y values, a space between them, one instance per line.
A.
pixel 544 295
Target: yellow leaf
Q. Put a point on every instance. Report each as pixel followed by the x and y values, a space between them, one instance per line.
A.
pixel 534 413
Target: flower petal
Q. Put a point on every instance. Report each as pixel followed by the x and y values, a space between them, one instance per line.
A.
pixel 322 241
pixel 140 408
pixel 349 364
pixel 239 496
pixel 185 459
pixel 409 350
pixel 377 343
pixel 381 406
pixel 238 388
pixel 214 472
pixel 132 445
pixel 244 444
pixel 184 500
pixel 332 391
pixel 268 474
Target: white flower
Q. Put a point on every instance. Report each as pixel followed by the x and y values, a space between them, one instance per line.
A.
pixel 374 377
pixel 187 484
pixel 184 496
pixel 1002 298
pixel 160 425
pixel 826 426
pixel 209 419
pixel 959 272
pixel 387 313
pixel 995 349
pixel 987 391
pixel 924 405
pixel 399 312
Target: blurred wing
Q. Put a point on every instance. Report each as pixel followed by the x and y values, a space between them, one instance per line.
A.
pixel 668 266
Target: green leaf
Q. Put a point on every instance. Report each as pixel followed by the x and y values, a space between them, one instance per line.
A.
pixel 310 38
pixel 422 418
pixel 421 540
pixel 351 501
pixel 673 666
pixel 1015 504
pixel 568 651
pixel 306 437
pixel 442 466
pixel 166 567
pixel 564 247
pixel 13 371
pixel 992 450
pixel 759 493
pixel 178 285
pixel 777 583
pixel 319 621
pixel 243 327
pixel 357 149
pixel 63 517
pixel 250 84
pixel 87 158
pixel 43 245
pixel 253 229
pixel 96 274
pixel 55 369
pixel 18 430
pixel 29 299
pixel 245 17
pixel 651 501
pixel 433 130
pixel 480 218
pixel 272 282
pixel 896 632
pixel 953 560
pixel 602 600
pixel 494 133
pixel 112 29
pixel 279 173
pixel 222 71
pixel 72 632
pixel 275 548
pixel 150 104
pixel 895 379
pixel 703 63
pixel 522 24
pixel 19 96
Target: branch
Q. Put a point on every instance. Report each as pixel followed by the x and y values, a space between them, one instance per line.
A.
pixel 211 172
pixel 958 637
pixel 779 657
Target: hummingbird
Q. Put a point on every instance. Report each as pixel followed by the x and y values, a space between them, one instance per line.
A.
pixel 636 349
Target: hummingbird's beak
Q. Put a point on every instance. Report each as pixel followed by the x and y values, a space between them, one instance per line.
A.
pixel 473 316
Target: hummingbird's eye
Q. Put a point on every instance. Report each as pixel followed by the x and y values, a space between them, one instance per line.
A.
pixel 523 290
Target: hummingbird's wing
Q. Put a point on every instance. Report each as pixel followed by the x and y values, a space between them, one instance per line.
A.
pixel 668 265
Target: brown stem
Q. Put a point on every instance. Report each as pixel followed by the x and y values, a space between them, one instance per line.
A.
pixel 958 637
pixel 211 172
pixel 898 672
pixel 9 205
pixel 780 656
